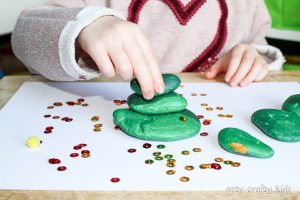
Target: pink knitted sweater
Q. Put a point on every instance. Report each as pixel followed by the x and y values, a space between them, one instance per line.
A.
pixel 185 34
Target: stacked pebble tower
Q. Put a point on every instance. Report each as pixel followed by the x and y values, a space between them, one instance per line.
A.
pixel 163 118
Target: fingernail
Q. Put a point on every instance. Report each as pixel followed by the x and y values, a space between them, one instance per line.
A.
pixel 233 83
pixel 160 90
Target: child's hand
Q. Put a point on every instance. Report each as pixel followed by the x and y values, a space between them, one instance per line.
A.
pixel 242 64
pixel 120 47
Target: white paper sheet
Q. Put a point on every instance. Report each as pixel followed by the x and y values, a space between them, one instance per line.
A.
pixel 23 168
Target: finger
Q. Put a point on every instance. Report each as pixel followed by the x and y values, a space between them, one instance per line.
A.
pixel 158 82
pixel 236 56
pixel 262 75
pixel 103 61
pixel 215 69
pixel 140 68
pixel 243 69
pixel 252 74
pixel 121 62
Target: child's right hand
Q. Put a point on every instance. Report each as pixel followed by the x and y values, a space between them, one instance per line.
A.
pixel 120 47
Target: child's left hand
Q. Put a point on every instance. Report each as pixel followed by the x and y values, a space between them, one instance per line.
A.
pixel 242 64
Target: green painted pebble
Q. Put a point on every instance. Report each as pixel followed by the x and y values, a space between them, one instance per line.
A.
pixel 167 127
pixel 281 125
pixel 240 142
pixel 172 82
pixel 292 104
pixel 168 103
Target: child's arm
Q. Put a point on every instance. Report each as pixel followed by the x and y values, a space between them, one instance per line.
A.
pixel 45 39
pixel 250 62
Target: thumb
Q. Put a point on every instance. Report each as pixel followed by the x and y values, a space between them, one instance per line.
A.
pixel 215 69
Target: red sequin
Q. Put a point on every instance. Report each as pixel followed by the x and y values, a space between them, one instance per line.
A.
pixel 47 131
pixel 147 145
pixel 204 134
pixel 85 152
pixel 70 103
pixel 82 145
pixel 131 150
pixel 123 102
pixel 216 166
pixel 73 155
pixel 61 168
pixel 117 127
pixel 47 116
pixel 80 100
pixel 200 116
pixel 77 147
pixel 54 161
pixel 117 101
pixel 115 180
pixel 49 128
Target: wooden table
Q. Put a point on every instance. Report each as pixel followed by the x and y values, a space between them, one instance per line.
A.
pixel 10 84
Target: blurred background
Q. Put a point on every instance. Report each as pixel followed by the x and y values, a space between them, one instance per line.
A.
pixel 285 32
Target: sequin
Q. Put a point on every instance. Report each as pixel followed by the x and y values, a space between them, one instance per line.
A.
pixel 219 108
pixel 73 155
pixel 228 162
pixel 47 116
pixel 50 107
pixel 193 94
pixel 202 94
pixel 149 161
pixel 147 145
pixel 209 108
pixel 55 117
pixel 196 150
pixel 115 180
pixel 54 161
pixel 221 115
pixel 184 179
pixel 229 116
pixel 200 116
pixel 170 172
pixel 123 102
pixel 117 127
pixel 206 122
pixel 205 166
pixel 70 103
pixel 171 160
pixel 84 104
pixel 161 146
pixel 204 134
pixel 219 159
pixel 189 167
pixel 47 131
pixel 170 164
pixel 95 118
pixel 236 164
pixel 168 156
pixel 57 104
pixel 157 153
pixel 77 147
pixel 204 104
pixel 98 125
pixel 85 155
pixel 62 168
pixel 182 118
pixel 85 151
pixel 80 100
pixel 97 129
pixel 216 166
pixel 185 152
pixel 158 158
pixel 131 150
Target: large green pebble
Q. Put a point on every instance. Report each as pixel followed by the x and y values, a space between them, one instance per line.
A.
pixel 168 103
pixel 240 142
pixel 292 104
pixel 279 124
pixel 172 82
pixel 167 127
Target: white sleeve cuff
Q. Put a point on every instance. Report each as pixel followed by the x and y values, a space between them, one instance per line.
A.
pixel 68 37
pixel 272 55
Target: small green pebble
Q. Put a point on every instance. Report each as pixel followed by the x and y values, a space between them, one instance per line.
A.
pixel 161 146
pixel 168 156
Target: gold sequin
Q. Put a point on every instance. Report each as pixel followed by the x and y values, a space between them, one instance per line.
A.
pixel 202 94
pixel 50 107
pixel 205 166
pixel 229 116
pixel 189 167
pixel 170 164
pixel 204 104
pixel 193 94
pixel 209 108
pixel 221 115
pixel 57 104
pixel 170 172
pixel 219 108
pixel 219 159
pixel 95 118
pixel 98 125
pixel 196 149
pixel 97 129
pixel 184 179
pixel 236 164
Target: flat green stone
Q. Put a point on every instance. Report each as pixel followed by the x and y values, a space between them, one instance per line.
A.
pixel 240 142
pixel 292 104
pixel 172 82
pixel 279 124
pixel 168 103
pixel 167 127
